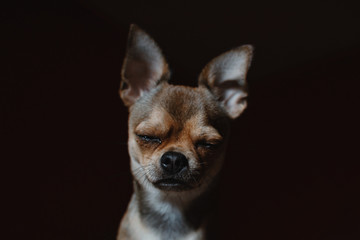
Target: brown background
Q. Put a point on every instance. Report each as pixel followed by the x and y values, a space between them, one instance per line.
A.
pixel 292 169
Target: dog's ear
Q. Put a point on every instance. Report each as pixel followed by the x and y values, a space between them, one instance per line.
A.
pixel 225 77
pixel 144 66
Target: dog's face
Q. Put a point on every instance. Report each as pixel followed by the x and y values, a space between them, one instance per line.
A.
pixel 178 134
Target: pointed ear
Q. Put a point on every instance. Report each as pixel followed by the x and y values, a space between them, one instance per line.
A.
pixel 225 77
pixel 144 66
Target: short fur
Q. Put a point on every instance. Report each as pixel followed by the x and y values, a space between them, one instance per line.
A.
pixel 191 122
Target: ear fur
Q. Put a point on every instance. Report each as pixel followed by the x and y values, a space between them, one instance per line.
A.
pixel 144 66
pixel 225 77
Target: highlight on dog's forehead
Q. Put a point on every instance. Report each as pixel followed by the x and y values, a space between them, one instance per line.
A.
pixel 181 103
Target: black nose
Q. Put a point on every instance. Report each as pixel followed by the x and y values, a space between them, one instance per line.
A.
pixel 173 162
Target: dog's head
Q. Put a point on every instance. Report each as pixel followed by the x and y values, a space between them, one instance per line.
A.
pixel 178 134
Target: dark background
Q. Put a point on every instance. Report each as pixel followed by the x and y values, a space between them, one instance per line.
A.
pixel 292 168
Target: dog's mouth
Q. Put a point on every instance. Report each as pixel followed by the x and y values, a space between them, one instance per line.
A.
pixel 172 184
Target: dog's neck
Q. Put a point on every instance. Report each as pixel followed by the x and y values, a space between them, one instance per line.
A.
pixel 175 214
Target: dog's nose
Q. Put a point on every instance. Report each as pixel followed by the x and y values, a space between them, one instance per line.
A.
pixel 173 162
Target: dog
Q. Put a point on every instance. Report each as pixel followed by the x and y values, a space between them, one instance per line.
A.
pixel 177 139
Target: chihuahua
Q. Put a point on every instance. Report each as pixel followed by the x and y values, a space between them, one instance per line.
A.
pixel 177 139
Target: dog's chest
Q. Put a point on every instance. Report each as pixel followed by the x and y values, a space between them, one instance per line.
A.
pixel 167 219
pixel 163 225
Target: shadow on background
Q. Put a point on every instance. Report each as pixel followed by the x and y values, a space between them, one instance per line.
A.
pixel 291 170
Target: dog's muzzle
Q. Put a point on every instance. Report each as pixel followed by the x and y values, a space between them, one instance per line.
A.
pixel 175 168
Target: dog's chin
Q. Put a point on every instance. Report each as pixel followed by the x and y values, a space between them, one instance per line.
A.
pixel 174 185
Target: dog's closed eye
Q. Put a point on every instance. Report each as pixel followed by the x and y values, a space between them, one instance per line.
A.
pixel 149 139
pixel 207 144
